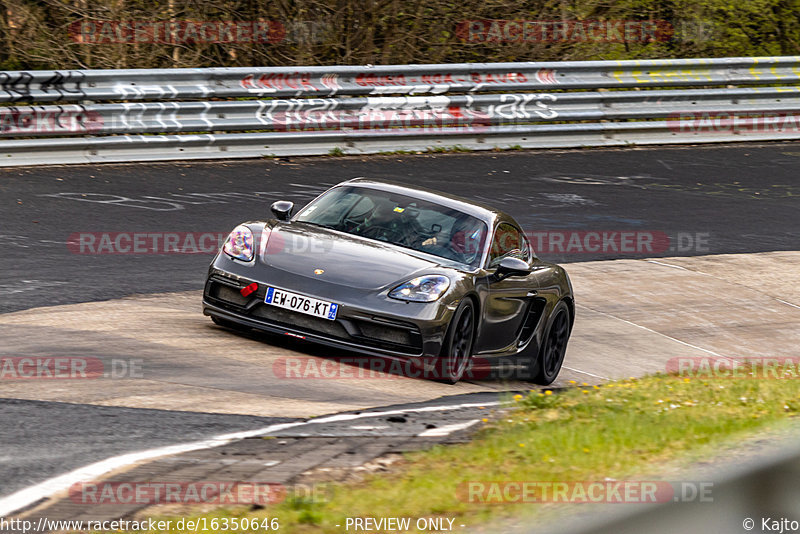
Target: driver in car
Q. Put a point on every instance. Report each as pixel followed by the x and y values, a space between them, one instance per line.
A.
pixel 396 224
pixel 465 239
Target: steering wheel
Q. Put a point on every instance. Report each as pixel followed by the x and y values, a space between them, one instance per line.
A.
pixel 381 233
pixel 348 224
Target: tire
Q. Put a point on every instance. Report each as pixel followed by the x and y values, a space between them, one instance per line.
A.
pixel 554 346
pixel 457 351
pixel 229 324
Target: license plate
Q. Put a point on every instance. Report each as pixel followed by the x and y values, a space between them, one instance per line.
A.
pixel 300 303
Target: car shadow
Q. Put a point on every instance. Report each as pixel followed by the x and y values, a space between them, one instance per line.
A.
pixel 341 363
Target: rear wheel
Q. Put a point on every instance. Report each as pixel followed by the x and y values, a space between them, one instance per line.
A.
pixel 554 346
pixel 458 344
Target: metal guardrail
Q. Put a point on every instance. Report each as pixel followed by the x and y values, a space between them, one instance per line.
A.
pixel 140 115
pixel 745 496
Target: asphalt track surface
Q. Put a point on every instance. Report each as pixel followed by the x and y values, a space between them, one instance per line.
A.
pixel 738 199
pixel 734 198
pixel 33 431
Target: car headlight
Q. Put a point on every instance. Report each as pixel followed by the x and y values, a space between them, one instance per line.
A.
pixel 239 244
pixel 421 289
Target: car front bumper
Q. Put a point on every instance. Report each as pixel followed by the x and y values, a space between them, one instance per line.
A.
pixel 358 326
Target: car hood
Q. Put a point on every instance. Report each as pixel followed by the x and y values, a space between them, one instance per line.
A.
pixel 304 249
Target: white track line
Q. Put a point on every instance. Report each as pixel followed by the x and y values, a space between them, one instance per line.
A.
pixel 670 265
pixel 718 278
pixel 447 430
pixel 30 495
pixel 27 496
pixel 351 416
pixel 654 332
pixel 585 372
pixel 787 303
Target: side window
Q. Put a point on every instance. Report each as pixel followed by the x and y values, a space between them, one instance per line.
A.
pixel 508 241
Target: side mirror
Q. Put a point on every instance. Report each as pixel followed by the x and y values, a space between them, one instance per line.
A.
pixel 282 209
pixel 511 267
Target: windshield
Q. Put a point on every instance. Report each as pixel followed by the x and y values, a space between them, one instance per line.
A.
pixel 401 220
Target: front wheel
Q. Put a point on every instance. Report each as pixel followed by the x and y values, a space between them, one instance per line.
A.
pixel 458 343
pixel 554 346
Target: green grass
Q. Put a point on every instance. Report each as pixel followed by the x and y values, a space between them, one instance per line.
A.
pixel 446 149
pixel 625 429
pixel 395 152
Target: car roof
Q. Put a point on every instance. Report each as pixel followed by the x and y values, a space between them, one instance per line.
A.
pixel 476 209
